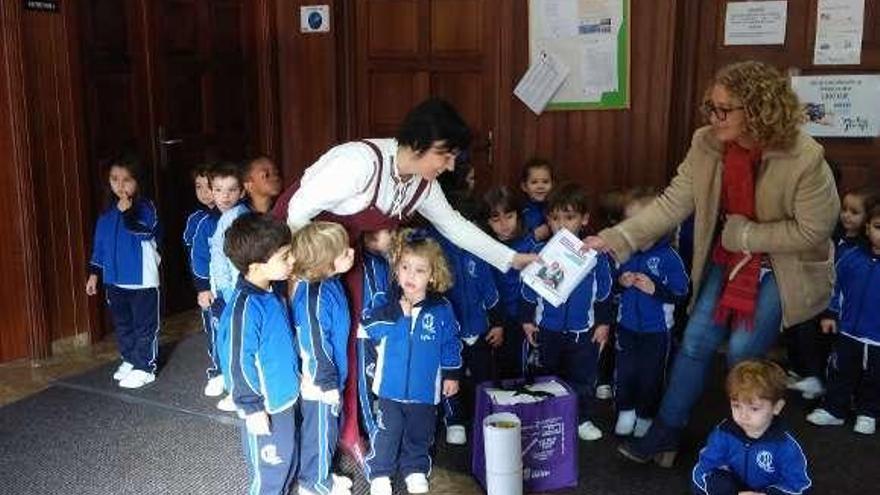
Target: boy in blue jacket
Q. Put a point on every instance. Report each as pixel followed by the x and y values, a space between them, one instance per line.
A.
pixel 569 337
pixel 651 283
pixel 752 453
pixel 262 360
pixel 419 359
pixel 854 366
pixel 321 318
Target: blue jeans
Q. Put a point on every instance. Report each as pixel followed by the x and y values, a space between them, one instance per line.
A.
pixel 703 335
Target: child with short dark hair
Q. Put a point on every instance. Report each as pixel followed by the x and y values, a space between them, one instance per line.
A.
pixel 536 181
pixel 569 337
pixel 126 256
pixel 261 360
pixel 854 314
pixel 419 360
pixel 752 453
pixel 321 318
pixel 651 283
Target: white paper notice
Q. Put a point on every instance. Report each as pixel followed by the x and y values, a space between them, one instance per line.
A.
pixel 560 18
pixel 839 28
pixel 541 81
pixel 840 105
pixel 755 23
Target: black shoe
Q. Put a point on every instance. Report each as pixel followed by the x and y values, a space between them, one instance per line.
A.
pixel 660 445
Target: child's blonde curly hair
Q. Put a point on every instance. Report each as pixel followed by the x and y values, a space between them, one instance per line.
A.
pixel 417 243
pixel 772 109
pixel 314 248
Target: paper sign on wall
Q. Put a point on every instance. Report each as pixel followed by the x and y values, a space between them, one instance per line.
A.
pixel 839 26
pixel 755 23
pixel 840 105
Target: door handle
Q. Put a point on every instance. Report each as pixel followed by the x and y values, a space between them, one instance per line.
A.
pixel 169 142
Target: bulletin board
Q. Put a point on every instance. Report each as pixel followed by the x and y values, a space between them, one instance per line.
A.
pixel 592 38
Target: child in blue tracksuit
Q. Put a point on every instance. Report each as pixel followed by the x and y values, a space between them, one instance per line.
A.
pixel 419 360
pixel 321 318
pixel 126 257
pixel 536 181
pixel 262 361
pixel 506 225
pixel 651 283
pixel 205 198
pixel 474 299
pixel 569 337
pixel 377 281
pixel 752 452
pixel 854 314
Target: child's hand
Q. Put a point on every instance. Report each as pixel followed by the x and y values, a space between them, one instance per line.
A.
pixel 828 325
pixel 257 423
pixel 626 279
pixel 450 388
pixel 124 203
pixel 521 260
pixel 205 298
pixel 330 397
pixel 495 337
pixel 531 330
pixel 92 285
pixel 600 336
pixel 541 232
pixel 644 283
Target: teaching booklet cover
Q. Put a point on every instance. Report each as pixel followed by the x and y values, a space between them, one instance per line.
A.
pixel 560 268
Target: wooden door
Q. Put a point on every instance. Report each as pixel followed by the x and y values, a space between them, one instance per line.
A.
pixel 408 50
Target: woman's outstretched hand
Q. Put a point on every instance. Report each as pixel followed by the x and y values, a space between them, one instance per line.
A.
pixel 521 260
pixel 595 242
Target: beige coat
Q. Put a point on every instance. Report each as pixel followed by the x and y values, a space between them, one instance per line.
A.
pixel 796 207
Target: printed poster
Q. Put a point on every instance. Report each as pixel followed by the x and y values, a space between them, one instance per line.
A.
pixel 840 105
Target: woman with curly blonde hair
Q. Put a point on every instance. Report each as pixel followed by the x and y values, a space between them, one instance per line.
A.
pixel 764 204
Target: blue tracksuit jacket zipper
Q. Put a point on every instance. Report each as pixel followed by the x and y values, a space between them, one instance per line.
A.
pixel 408 357
pixel 116 247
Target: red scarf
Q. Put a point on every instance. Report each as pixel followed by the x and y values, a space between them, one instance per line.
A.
pixel 741 270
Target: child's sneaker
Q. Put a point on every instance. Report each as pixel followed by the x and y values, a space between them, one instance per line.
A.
pixel 381 486
pixel 137 379
pixel 588 432
pixel 626 422
pixel 416 483
pixel 866 425
pixel 810 387
pixel 604 392
pixel 343 482
pixel 226 404
pixel 215 386
pixel 123 370
pixel 456 435
pixel 821 417
pixel 642 427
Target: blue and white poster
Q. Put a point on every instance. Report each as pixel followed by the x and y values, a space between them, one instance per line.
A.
pixel 840 105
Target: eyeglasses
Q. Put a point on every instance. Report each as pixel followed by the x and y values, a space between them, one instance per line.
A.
pixel 708 109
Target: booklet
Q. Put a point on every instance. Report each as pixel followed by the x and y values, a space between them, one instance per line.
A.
pixel 561 267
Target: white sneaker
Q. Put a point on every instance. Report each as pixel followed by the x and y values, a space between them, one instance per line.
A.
pixel 810 387
pixel 642 427
pixel 626 422
pixel 821 417
pixel 226 404
pixel 123 370
pixel 456 435
pixel 416 483
pixel 381 486
pixel 866 425
pixel 343 482
pixel 604 392
pixel 587 431
pixel 137 379
pixel 215 386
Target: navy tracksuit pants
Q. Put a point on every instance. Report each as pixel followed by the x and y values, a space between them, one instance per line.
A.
pixel 319 433
pixel 272 459
pixel 641 368
pixel 209 326
pixel 135 314
pixel 477 360
pixel 404 434
pixel 853 369
pixel 574 358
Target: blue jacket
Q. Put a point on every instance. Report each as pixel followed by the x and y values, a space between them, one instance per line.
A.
pixel 124 251
pixel 640 312
pixel 588 305
pixel 855 302
pixel 200 249
pixel 260 359
pixel 192 222
pixel 414 353
pixel 509 283
pixel 773 464
pixel 533 215
pixel 321 318
pixel 223 274
pixel 473 294
pixel 377 280
pixel 844 244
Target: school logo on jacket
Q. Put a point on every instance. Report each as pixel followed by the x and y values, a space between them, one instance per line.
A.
pixel 428 326
pixel 764 459
pixel 472 268
pixel 654 265
pixel 269 455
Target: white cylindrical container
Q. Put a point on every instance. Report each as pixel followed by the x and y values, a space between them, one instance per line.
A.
pixel 503 448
